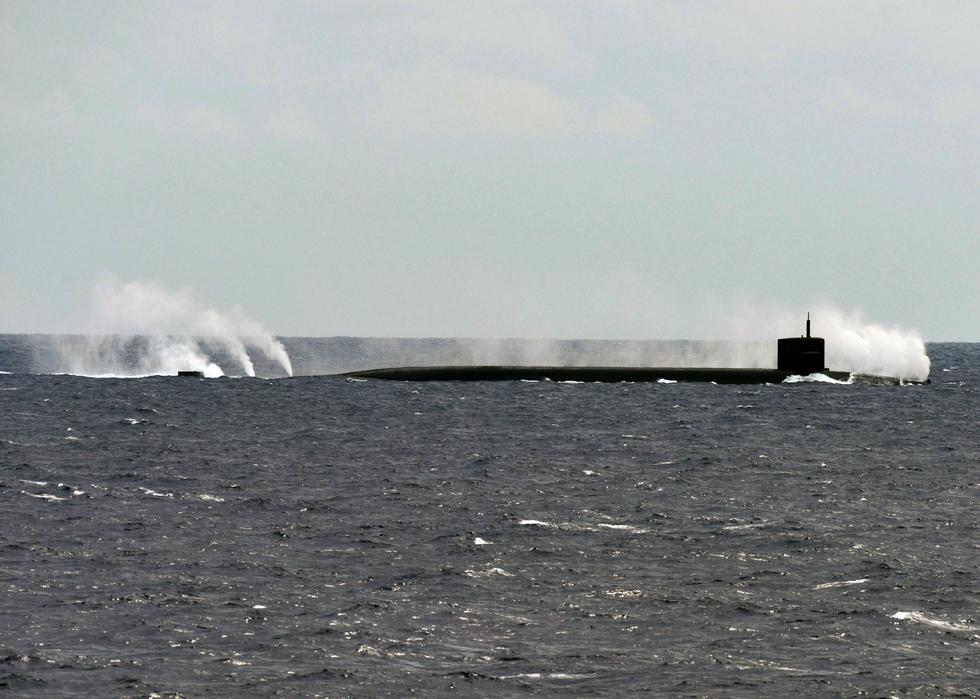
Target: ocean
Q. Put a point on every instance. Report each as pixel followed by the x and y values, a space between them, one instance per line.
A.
pixel 312 536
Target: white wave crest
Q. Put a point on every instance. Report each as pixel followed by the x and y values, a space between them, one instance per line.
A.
pixel 840 583
pixel 813 378
pixel 920 618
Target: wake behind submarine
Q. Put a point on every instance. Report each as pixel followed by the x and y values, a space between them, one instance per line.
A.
pixel 796 356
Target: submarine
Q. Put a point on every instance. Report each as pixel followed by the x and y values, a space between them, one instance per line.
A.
pixel 795 356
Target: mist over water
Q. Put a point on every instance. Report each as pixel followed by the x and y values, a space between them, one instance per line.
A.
pixel 874 349
pixel 853 343
pixel 142 329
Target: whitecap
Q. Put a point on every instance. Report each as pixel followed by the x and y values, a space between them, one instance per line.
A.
pixel 624 593
pixel 549 676
pixel 481 542
pixel 840 583
pixel 470 573
pixel 625 527
pixel 666 381
pixel 816 377
pixel 920 618
pixel 752 525
pixel 155 494
pixel 772 666
pixel 45 496
pixel 209 498
pixel 73 489
pixel 585 527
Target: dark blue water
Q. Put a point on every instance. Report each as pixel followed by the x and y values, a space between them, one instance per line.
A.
pixel 317 537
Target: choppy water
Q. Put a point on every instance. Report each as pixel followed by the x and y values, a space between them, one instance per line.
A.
pixel 312 536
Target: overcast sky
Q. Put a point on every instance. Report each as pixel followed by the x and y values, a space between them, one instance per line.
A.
pixel 566 169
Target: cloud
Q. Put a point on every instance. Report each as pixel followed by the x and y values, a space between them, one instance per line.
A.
pixel 436 98
pixel 200 122
pixel 501 69
pixel 851 99
pixel 625 117
pixel 756 32
pixel 516 35
pixel 441 98
pixel 293 123
pixel 209 123
pixel 50 113
pixel 957 104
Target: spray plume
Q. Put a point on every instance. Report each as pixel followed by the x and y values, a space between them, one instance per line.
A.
pixel 853 343
pixel 141 328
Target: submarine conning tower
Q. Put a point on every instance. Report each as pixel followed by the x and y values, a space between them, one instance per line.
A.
pixel 801 355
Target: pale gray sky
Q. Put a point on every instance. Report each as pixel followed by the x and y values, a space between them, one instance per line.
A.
pixel 565 168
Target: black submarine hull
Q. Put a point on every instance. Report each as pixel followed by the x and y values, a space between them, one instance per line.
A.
pixel 796 356
pixel 601 374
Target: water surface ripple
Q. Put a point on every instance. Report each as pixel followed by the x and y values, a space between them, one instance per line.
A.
pixel 318 537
